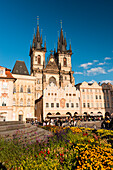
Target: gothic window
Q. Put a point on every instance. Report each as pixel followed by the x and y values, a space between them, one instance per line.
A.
pixel 52 80
pixel 72 104
pixel 52 104
pixel 28 102
pixel 39 59
pixel 57 104
pixel 47 104
pixel 28 89
pixel 38 81
pixel 21 102
pixel 65 61
pixel 14 89
pixel 67 104
pixel 35 58
pixel 21 89
pixel 76 104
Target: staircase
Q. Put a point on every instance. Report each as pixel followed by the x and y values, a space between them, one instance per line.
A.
pixel 22 133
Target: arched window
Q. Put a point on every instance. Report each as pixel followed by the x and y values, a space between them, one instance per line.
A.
pixel 52 80
pixel 14 89
pixel 28 102
pixel 39 59
pixel 14 102
pixel 21 89
pixel 65 61
pixel 21 102
pixel 28 89
pixel 38 81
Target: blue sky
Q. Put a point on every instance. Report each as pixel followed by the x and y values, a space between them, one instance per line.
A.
pixel 87 23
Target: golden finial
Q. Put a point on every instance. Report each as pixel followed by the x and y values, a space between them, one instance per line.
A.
pixel 61 23
pixel 38 20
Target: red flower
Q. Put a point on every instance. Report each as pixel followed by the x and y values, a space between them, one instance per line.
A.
pixel 48 152
pixel 36 156
pixel 89 141
pixel 44 154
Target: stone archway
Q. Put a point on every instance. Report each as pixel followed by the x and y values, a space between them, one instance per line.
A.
pixel 52 80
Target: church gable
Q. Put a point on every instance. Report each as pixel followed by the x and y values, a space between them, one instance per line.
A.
pixel 52 65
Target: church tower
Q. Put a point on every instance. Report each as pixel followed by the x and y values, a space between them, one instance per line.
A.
pixel 63 57
pixel 37 55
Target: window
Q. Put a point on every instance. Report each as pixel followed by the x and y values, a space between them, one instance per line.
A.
pixel 107 97
pixel 4 99
pixel 91 96
pixel 47 104
pixel 21 89
pixel 87 96
pixel 14 102
pixel 90 90
pixel 91 104
pixel 66 94
pixel 35 58
pixel 70 94
pixel 84 105
pixel 55 94
pixel 88 105
pixel 4 85
pixel 57 104
pixel 1 71
pixel 74 94
pixel 65 61
pixel 28 89
pixel 97 105
pixel 67 104
pixel 112 98
pixel 72 104
pixel 104 104
pixel 83 90
pixel 38 81
pixel 52 94
pixel 99 96
pixel 65 78
pixel 76 104
pixel 39 59
pixel 83 96
pixel 101 105
pixel 28 102
pixel 108 104
pixel 14 89
pixel 96 97
pixel 21 102
pixel 52 104
pixel 48 94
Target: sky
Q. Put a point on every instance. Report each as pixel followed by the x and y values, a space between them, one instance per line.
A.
pixel 88 25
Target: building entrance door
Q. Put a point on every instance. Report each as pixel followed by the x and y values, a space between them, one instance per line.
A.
pixel 20 117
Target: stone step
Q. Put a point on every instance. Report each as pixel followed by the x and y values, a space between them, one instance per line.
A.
pixel 2 123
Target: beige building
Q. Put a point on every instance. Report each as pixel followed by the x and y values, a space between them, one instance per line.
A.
pixel 108 97
pixel 60 101
pixel 91 99
pixel 23 92
pixel 6 94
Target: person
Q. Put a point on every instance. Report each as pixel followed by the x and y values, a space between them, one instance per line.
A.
pixel 74 122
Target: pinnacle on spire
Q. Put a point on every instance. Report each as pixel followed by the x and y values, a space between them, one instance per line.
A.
pixel 61 23
pixel 45 44
pixel 70 48
pixel 38 20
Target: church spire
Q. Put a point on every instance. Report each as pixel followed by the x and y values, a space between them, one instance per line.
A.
pixel 70 50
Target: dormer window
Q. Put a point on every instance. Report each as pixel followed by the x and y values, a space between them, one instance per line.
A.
pixel 65 61
pixel 1 71
pixel 39 59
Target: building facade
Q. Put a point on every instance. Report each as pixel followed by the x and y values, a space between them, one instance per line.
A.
pixel 108 97
pixel 6 91
pixel 91 99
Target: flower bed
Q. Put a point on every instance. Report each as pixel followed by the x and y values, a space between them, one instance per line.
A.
pixel 68 148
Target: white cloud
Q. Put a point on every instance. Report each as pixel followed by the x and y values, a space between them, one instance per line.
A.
pixel 92 81
pixel 110 70
pixel 95 71
pixel 101 64
pixel 95 61
pixel 85 65
pixel 107 81
pixel 78 73
pixel 107 58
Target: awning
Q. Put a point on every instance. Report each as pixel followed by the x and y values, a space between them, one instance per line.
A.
pixel 55 116
pixel 3 112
